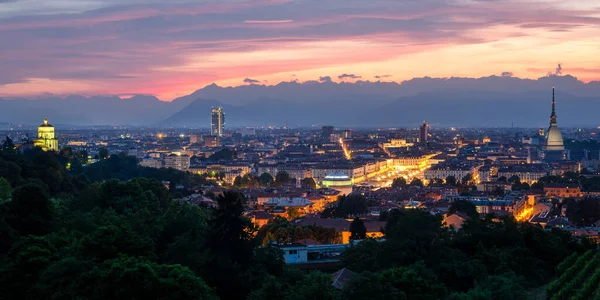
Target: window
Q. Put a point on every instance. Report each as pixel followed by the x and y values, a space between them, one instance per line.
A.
pixel 293 251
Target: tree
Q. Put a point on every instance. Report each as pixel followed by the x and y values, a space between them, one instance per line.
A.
pixel 223 154
pixel 103 153
pixel 358 230
pixel 30 211
pixel 230 246
pixel 309 182
pixel 8 146
pixel 464 207
pixel 315 285
pixel 501 179
pixel 437 181
pixel 237 182
pixel 466 180
pixel 265 179
pixel 282 177
pixel 514 179
pixel 451 180
pixel 5 190
pixel 134 278
pixel 399 182
pixel 416 182
pixel 293 213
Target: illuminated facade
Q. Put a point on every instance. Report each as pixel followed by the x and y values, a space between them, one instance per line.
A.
pixel 217 121
pixel 337 179
pixel 46 139
pixel 554 149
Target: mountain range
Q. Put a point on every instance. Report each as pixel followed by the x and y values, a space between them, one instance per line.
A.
pixel 494 101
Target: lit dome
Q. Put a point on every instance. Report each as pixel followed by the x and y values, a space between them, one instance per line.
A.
pixel 337 179
pixel 554 139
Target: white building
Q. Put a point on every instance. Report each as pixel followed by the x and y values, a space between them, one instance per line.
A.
pixel 178 162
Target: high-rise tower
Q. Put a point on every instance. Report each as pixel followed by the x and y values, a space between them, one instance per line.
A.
pixel 424 133
pixel 554 139
pixel 217 121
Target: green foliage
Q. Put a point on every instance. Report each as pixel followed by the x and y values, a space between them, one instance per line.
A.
pixel 399 182
pixel 315 285
pixel 30 211
pixel 5 190
pixel 8 146
pixel 223 154
pixel 123 167
pixel 347 205
pixel 451 180
pixel 103 153
pixel 583 212
pixel 266 179
pixel 572 280
pixel 358 230
pixel 280 230
pixel 308 182
pixel 416 182
pixel 140 279
pixel 282 177
pixel 465 207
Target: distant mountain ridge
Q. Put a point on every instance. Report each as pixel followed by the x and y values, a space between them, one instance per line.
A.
pixel 486 101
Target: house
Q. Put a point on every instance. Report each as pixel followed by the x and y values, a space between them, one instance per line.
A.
pixel 294 253
pixel 455 220
pixel 342 277
pixel 563 190
pixel 260 218
pixel 342 226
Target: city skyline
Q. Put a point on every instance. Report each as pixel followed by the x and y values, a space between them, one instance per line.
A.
pixel 170 50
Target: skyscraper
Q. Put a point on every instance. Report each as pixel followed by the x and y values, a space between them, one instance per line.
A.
pixel 217 123
pixel 424 132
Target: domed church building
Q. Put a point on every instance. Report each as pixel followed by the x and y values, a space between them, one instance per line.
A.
pixel 46 139
pixel 554 148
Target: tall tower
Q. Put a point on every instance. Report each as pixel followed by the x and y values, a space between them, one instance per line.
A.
pixel 554 148
pixel 424 132
pixel 217 121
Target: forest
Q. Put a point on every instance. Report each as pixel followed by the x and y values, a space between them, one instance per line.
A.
pixel 112 230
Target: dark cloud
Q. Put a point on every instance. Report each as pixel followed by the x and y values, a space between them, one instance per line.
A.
pixel 350 76
pixel 251 81
pixel 383 76
pixel 507 74
pixel 325 79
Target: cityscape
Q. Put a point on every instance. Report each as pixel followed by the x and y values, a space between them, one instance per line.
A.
pixel 337 150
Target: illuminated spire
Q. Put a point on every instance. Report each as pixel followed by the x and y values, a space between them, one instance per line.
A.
pixel 45 121
pixel 553 115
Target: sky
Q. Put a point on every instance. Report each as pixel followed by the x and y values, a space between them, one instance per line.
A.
pixel 171 48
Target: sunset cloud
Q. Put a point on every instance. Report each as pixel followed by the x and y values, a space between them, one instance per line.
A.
pixel 172 48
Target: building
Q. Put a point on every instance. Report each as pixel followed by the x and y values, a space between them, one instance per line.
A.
pixel 46 139
pixel 326 131
pixel 424 133
pixel 217 123
pixel 527 173
pixel 212 141
pixel 151 163
pixel 563 190
pixel 554 148
pixel 178 162
pixel 444 171
pixel 195 138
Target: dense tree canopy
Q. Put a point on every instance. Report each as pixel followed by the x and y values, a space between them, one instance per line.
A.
pixel 112 230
